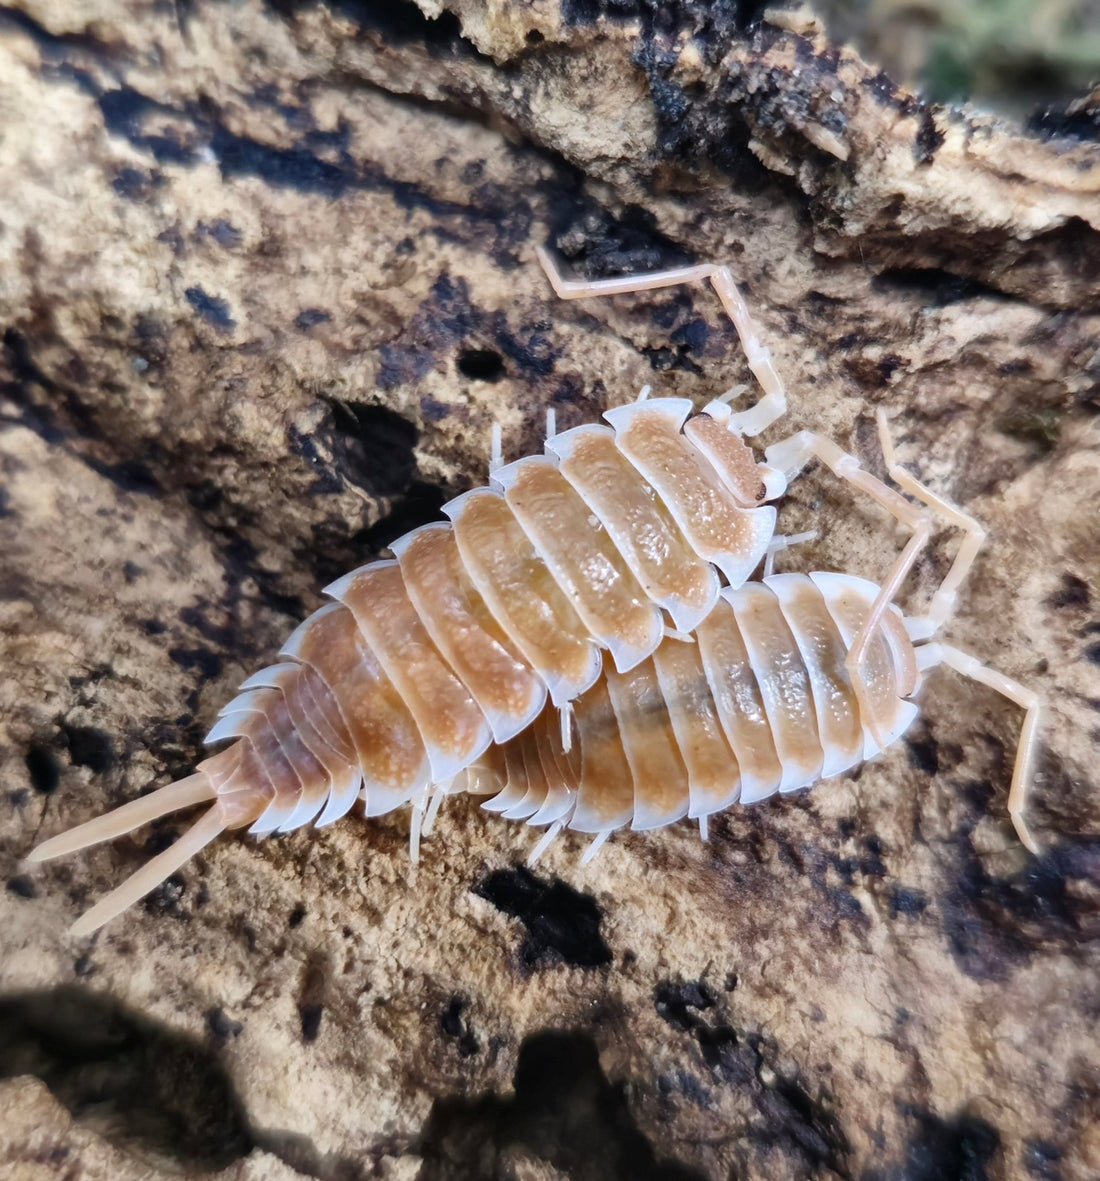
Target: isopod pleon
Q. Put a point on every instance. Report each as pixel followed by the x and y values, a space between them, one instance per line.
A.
pixel 423 662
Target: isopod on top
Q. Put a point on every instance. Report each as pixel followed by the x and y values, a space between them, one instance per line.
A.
pixel 422 662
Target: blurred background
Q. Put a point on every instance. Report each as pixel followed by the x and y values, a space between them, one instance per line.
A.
pixel 1011 56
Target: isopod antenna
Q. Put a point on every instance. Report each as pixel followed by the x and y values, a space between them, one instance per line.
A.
pixel 772 406
pixel 791 455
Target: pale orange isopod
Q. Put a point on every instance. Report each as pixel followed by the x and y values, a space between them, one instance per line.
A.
pixel 423 662
pixel 789 680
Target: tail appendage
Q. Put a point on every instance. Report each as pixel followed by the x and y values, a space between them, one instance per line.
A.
pixel 236 802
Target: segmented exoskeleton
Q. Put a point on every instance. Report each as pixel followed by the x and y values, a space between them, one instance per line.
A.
pixel 761 702
pixel 424 661
pixel 789 680
pixel 399 688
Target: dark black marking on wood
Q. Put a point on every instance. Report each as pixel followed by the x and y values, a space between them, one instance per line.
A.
pixel 562 924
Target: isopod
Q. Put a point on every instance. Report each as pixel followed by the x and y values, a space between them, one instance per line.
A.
pixel 424 661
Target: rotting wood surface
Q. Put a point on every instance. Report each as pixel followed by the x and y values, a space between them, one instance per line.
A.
pixel 266 281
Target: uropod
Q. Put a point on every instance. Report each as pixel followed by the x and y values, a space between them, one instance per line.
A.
pixel 394 690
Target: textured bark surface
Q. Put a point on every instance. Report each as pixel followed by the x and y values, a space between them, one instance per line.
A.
pixel 266 281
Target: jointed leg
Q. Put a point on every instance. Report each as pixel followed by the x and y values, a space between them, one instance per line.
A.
pixel 943 601
pixel 435 798
pixel 929 655
pixel 597 844
pixel 544 842
pixel 496 448
pixel 791 455
pixel 781 542
pixel 565 713
pixel 419 803
pixel 750 422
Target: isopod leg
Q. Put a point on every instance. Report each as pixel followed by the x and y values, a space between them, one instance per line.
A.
pixel 791 455
pixel 943 601
pixel 781 542
pixel 566 714
pixel 544 842
pixel 419 803
pixel 435 799
pixel 597 844
pixel 496 448
pixel 929 655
